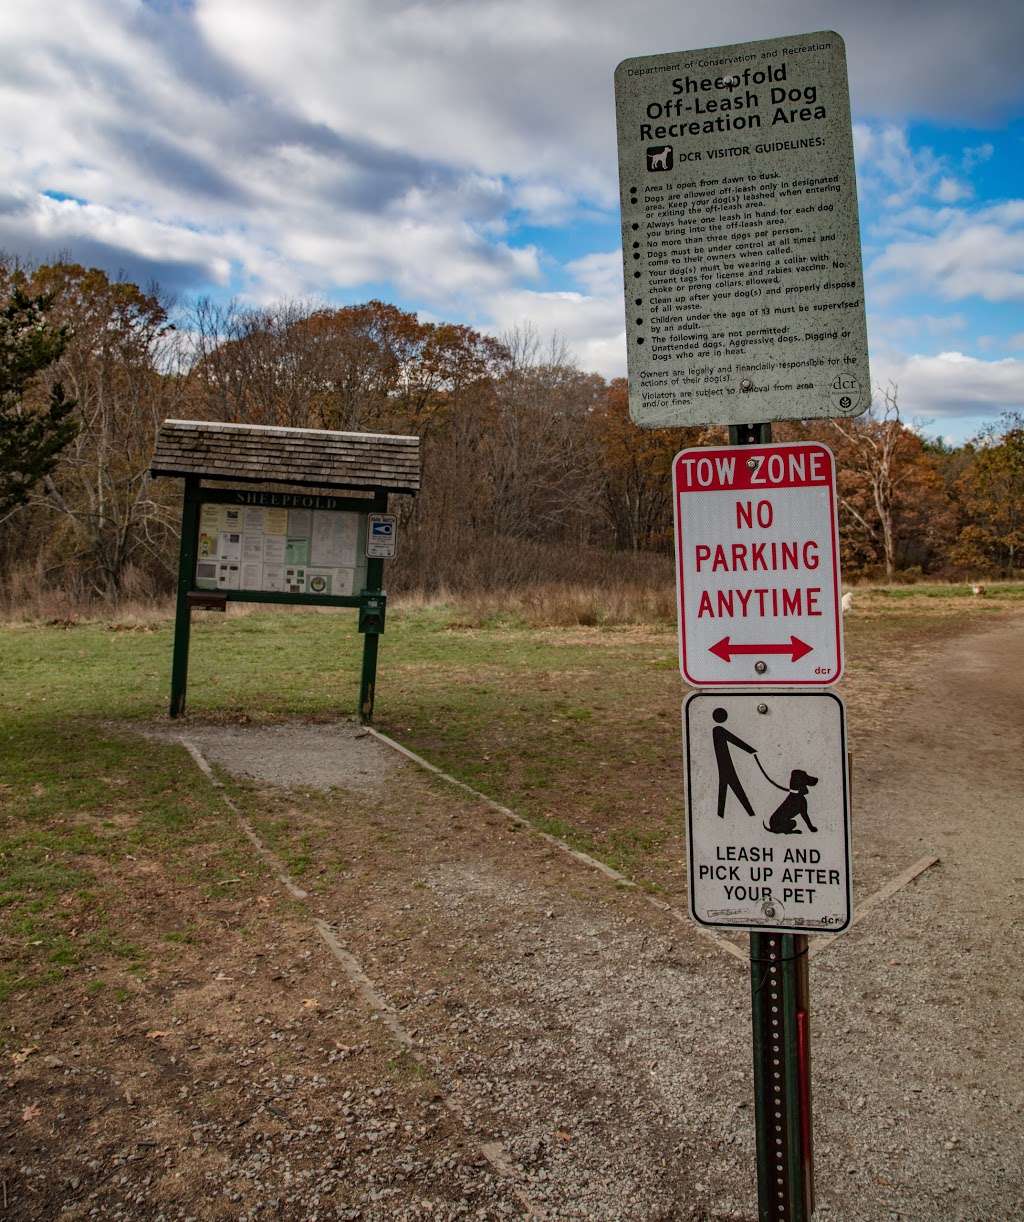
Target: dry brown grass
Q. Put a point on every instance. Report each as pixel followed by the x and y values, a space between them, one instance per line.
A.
pixel 638 591
pixel 934 599
pixel 61 610
pixel 566 604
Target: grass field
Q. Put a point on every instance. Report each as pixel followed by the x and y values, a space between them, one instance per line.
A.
pixel 575 727
pixel 171 1026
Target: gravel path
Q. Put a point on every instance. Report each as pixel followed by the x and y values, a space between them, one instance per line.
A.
pixel 608 1048
pixel 301 756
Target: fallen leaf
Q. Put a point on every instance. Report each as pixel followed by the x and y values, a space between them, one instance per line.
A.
pixel 31 1112
pixel 310 1003
pixel 156 1035
pixel 19 1058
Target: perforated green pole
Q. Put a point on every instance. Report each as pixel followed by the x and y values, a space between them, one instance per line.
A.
pixel 368 679
pixel 186 577
pixel 782 1077
pixel 371 638
pixel 780 1018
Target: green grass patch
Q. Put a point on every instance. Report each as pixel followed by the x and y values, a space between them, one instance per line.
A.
pixel 89 819
pixel 1005 590
pixel 575 728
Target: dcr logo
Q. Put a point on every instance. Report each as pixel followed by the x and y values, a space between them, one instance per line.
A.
pixel 844 393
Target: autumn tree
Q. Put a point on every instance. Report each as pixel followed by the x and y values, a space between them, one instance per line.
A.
pixel 636 472
pixel 893 504
pixel 34 428
pixel 254 366
pixel 103 515
pixel 991 496
pixel 537 452
pixel 361 367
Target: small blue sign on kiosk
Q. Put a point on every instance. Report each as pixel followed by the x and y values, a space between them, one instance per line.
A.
pixel 381 536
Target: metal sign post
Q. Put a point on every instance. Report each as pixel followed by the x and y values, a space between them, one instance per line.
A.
pixel 745 304
pixel 371 613
pixel 780 1010
pixel 780 1021
pixel 183 612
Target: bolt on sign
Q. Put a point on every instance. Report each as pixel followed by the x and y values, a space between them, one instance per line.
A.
pixel 757 565
pixel 767 799
pixel 740 236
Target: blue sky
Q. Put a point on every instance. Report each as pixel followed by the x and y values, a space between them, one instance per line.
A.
pixel 457 157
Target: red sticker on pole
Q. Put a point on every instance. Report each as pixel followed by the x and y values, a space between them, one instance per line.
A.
pixel 757 565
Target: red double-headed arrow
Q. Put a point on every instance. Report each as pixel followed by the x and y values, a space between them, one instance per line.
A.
pixel 726 650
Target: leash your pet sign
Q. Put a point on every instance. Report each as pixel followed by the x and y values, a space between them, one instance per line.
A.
pixel 757 565
pixel 768 809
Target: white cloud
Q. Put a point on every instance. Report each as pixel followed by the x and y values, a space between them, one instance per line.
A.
pixel 189 175
pixel 952 384
pixel 545 203
pixel 52 226
pixel 497 87
pixel 397 145
pixel 888 166
pixel 895 172
pixel 976 155
pixel 592 327
pixel 912 326
pixel 600 273
pixel 952 190
pixel 971 253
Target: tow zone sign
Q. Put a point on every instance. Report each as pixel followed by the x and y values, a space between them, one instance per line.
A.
pixel 757 565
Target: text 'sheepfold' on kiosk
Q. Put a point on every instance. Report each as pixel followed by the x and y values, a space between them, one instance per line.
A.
pixel 282 517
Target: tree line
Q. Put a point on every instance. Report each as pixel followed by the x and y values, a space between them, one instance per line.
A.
pixel 533 470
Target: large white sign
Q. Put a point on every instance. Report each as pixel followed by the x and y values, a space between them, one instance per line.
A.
pixel 740 238
pixel 757 565
pixel 768 811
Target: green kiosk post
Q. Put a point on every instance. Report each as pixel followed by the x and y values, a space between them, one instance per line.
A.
pixel 282 515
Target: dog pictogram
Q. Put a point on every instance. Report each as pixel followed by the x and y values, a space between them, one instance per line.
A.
pixel 793 805
pixel 660 157
pixel 783 820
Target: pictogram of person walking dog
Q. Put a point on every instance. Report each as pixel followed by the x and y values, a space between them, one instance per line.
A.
pixel 784 819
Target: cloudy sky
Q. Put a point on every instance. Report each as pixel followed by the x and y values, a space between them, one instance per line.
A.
pixel 457 157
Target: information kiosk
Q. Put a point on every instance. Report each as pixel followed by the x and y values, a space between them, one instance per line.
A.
pixel 282 515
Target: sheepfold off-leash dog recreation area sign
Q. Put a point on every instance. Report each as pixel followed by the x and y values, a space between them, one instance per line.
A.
pixel 740 237
pixel 309 525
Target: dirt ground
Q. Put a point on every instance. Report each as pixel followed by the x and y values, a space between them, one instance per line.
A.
pixel 601 1045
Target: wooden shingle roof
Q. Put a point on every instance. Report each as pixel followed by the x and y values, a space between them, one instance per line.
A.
pixel 313 458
